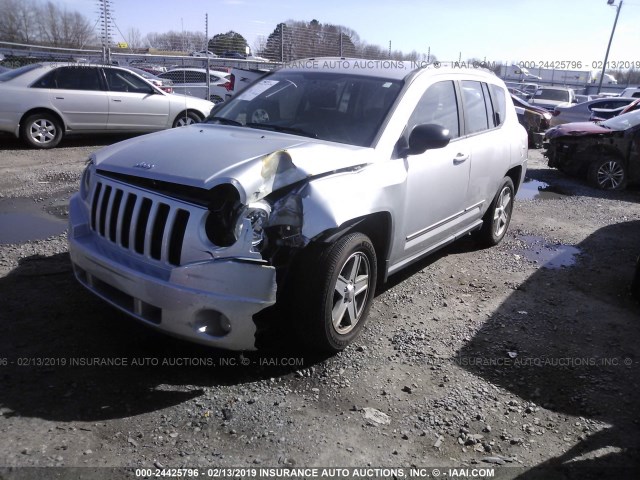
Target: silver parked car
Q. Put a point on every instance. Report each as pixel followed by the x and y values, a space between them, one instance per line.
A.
pixel 41 102
pixel 296 198
pixel 551 97
pixel 193 81
pixel 582 111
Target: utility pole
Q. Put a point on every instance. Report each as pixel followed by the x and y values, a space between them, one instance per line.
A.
pixel 206 49
pixel 105 23
pixel 606 55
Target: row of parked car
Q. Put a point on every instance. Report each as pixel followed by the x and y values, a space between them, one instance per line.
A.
pixel 42 102
pixel 597 139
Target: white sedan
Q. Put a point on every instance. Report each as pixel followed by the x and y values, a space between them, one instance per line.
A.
pixel 42 102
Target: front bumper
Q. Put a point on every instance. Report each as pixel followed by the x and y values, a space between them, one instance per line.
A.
pixel 210 302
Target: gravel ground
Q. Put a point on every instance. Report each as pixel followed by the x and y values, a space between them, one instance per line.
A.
pixel 522 358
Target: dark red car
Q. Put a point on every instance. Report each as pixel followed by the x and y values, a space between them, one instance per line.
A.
pixel 606 153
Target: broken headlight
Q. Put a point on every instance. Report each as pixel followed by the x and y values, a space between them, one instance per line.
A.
pixel 85 181
pixel 254 216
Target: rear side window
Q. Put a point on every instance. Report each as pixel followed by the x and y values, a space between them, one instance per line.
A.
pixel 438 105
pixel 76 78
pixel 172 76
pixel 475 108
pixel 186 76
pixel 11 74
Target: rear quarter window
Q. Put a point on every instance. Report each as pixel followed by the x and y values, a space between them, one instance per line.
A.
pixel 499 104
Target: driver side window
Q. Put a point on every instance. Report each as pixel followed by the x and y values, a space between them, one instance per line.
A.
pixel 439 106
pixel 121 81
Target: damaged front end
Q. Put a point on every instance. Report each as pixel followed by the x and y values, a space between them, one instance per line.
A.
pixel 196 264
pixel 571 148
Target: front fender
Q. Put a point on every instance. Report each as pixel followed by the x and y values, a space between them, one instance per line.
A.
pixel 333 201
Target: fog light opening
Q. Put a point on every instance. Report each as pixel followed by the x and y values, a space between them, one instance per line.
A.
pixel 212 323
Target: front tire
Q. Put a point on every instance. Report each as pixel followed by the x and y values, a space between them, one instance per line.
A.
pixel 496 219
pixel 41 130
pixel 339 293
pixel 608 173
pixel 186 118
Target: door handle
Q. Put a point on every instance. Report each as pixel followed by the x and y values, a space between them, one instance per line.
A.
pixel 460 158
pixel 116 100
pixel 59 98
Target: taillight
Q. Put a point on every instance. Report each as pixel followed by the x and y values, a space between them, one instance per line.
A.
pixel 231 83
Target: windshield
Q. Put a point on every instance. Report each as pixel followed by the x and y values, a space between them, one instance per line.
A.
pixel 624 121
pixel 548 94
pixel 11 74
pixel 337 107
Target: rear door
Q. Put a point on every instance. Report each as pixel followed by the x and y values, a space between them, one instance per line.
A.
pixel 134 105
pixel 77 91
pixel 484 115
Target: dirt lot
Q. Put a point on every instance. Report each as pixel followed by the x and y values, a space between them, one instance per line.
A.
pixel 523 358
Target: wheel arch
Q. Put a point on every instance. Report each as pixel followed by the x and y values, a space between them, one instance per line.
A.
pixel 515 174
pixel 377 226
pixel 187 111
pixel 595 152
pixel 33 111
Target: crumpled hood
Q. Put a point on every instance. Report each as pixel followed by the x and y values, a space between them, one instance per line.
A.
pixel 203 156
pixel 576 129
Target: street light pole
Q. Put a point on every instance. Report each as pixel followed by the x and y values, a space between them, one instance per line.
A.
pixel 606 55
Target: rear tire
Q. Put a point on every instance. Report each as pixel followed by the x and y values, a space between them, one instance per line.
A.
pixel 334 301
pixel 41 130
pixel 496 220
pixel 186 118
pixel 608 173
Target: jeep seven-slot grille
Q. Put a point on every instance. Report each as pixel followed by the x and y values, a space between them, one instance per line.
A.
pixel 138 223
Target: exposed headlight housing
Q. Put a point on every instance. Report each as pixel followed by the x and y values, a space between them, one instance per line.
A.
pixel 85 181
pixel 254 216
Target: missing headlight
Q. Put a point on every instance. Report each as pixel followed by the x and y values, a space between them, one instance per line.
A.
pixel 224 206
pixel 85 181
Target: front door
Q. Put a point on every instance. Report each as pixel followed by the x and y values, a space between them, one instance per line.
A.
pixel 134 104
pixel 437 180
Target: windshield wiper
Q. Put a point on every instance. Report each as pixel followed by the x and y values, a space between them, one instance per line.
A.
pixel 280 128
pixel 225 121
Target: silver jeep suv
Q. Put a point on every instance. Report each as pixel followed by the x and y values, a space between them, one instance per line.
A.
pixel 299 196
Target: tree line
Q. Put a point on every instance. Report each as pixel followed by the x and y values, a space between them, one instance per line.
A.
pixel 45 23
pixel 33 22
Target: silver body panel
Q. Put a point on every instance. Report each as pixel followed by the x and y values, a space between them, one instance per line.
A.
pixel 93 111
pixel 432 199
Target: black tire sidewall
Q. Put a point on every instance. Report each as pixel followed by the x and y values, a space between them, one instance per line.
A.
pixel 25 129
pixel 193 116
pixel 319 333
pixel 487 235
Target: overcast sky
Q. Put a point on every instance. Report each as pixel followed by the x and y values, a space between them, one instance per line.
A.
pixel 498 30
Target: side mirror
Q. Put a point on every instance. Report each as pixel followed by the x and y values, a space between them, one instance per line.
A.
pixel 427 136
